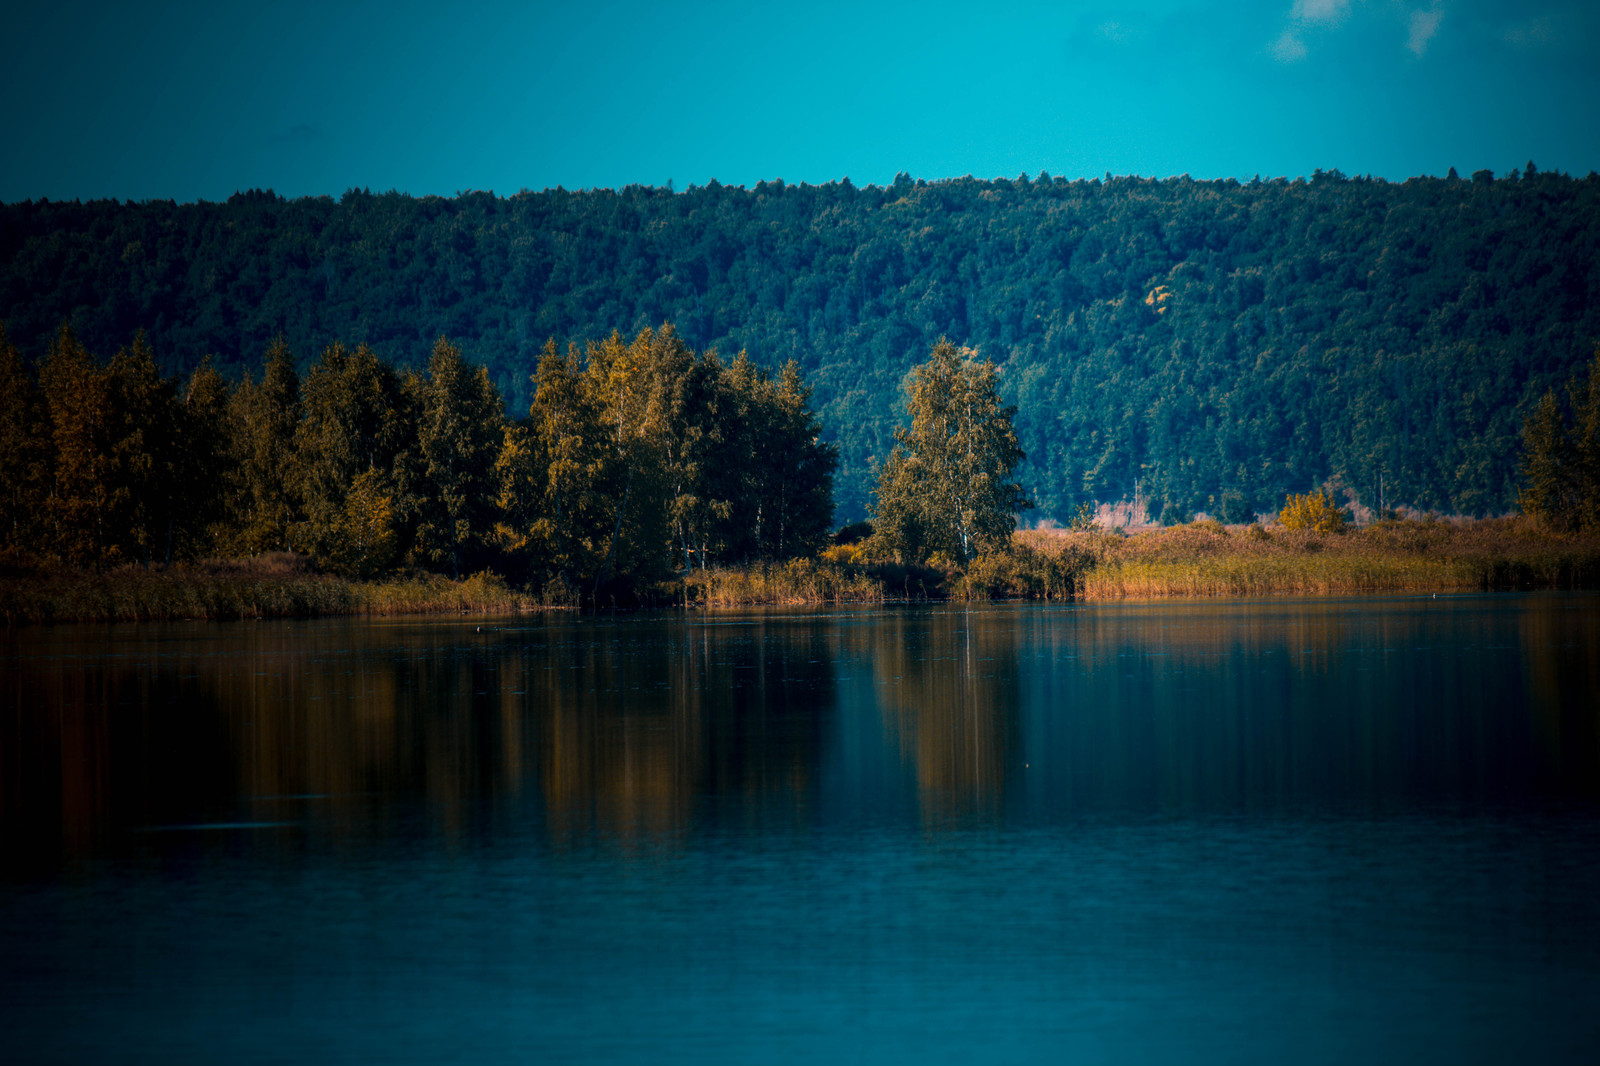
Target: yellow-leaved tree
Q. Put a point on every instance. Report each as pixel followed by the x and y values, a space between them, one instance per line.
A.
pixel 1314 510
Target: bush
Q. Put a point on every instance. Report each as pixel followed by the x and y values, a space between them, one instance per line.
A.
pixel 1313 511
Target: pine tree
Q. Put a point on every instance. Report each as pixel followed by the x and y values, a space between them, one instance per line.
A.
pixel 145 461
pixel 77 399
pixel 24 452
pixel 1549 491
pixel 209 480
pixel 1585 397
pixel 627 381
pixel 459 438
pixel 356 422
pixel 266 415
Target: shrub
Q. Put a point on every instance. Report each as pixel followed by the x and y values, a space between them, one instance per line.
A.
pixel 1314 511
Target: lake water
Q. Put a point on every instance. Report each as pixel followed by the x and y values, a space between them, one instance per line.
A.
pixel 1313 831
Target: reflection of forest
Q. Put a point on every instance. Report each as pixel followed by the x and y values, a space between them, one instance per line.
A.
pixel 634 730
pixel 615 731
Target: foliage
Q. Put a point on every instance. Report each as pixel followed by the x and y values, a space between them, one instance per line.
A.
pixel 1561 461
pixel 459 439
pixel 635 454
pixel 1204 343
pixel 265 416
pixel 947 487
pixel 1312 510
pixel 25 458
pixel 354 468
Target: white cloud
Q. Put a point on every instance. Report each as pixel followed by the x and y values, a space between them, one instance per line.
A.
pixel 1287 48
pixel 1323 11
pixel 1424 24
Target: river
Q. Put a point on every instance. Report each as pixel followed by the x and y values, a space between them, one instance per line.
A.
pixel 1247 832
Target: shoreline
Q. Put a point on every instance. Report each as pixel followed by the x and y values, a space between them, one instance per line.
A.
pixel 1202 561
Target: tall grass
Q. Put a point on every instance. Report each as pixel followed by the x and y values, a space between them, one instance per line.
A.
pixel 1198 560
pixel 1207 559
pixel 797 581
pixel 267 586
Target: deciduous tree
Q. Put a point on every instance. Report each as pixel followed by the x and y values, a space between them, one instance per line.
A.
pixel 947 487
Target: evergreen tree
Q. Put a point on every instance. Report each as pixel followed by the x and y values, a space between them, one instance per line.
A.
pixel 209 482
pixel 356 423
pixel 459 437
pixel 266 415
pixel 551 471
pixel 77 397
pixel 1585 396
pixel 797 500
pixel 946 488
pixel 1561 463
pixel 1549 490
pixel 145 460
pixel 628 381
pixel 24 452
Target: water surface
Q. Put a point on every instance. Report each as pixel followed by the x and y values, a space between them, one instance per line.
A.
pixel 1230 832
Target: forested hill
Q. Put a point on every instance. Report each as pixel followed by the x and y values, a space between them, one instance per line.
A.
pixel 1215 344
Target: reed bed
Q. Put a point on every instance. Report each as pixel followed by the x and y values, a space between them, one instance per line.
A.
pixel 1199 560
pixel 798 581
pixel 277 586
pixel 1208 559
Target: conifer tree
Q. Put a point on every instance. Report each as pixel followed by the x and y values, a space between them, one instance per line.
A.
pixel 209 480
pixel 460 434
pixel 24 452
pixel 552 471
pixel 1561 463
pixel 77 398
pixel 1549 491
pixel 144 455
pixel 266 415
pixel 356 422
pixel 627 380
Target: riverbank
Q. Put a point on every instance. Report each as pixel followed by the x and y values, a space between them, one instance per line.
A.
pixel 1194 561
pixel 268 586
pixel 1207 559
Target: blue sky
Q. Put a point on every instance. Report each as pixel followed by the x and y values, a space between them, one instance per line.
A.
pixel 196 101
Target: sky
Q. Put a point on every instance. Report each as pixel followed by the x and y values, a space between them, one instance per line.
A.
pixel 190 101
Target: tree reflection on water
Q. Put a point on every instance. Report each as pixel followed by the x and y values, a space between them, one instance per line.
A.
pixel 640 730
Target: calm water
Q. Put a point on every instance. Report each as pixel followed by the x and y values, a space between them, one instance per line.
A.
pixel 1311 831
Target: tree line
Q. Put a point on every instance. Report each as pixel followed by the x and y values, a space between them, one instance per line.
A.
pixel 638 458
pixel 1214 345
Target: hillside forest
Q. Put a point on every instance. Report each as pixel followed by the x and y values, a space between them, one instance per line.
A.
pixel 1209 346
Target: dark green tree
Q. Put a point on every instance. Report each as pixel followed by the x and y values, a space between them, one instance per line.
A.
pixel 352 461
pixel 266 415
pixel 209 482
pixel 551 472
pixel 461 432
pixel 82 490
pixel 24 452
pixel 1549 481
pixel 146 465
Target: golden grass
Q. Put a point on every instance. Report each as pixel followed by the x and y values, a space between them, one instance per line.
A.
pixel 275 586
pixel 1199 560
pixel 1207 559
pixel 798 581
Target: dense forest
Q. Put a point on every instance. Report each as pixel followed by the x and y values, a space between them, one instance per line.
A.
pixel 1211 345
pixel 638 459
